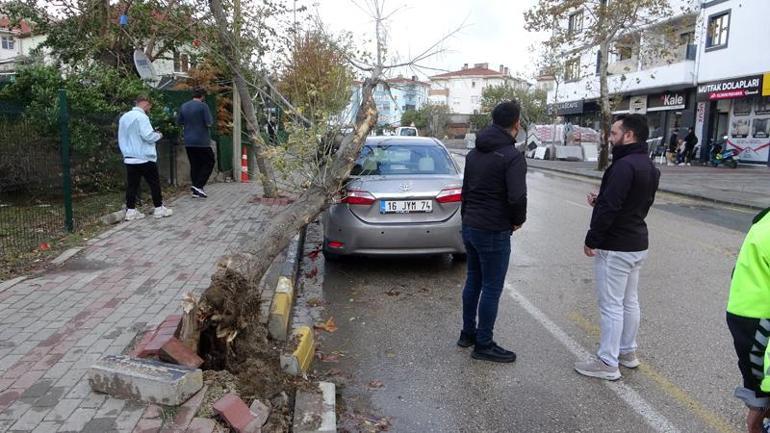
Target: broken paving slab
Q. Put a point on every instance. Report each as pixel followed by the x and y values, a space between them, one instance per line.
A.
pixel 314 410
pixel 145 380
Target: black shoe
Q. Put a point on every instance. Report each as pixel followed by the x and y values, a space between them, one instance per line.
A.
pixel 198 193
pixel 493 353
pixel 466 340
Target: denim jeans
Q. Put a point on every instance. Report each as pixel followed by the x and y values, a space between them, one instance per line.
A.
pixel 617 290
pixel 488 255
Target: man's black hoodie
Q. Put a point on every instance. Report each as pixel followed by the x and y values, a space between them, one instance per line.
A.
pixel 627 192
pixel 494 187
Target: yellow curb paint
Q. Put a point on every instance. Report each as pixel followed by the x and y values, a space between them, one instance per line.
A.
pixel 305 348
pixel 279 315
pixel 681 396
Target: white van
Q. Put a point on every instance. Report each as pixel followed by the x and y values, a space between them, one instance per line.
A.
pixel 407 131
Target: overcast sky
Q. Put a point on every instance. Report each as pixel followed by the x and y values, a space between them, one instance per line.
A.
pixel 494 30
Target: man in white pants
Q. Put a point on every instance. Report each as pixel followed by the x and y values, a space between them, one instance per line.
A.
pixel 618 242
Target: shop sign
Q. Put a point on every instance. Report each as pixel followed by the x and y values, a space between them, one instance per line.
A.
pixel 563 108
pixel 730 89
pixel 667 101
pixel 637 104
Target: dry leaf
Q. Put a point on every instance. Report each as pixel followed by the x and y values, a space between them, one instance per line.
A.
pixel 376 384
pixel 329 326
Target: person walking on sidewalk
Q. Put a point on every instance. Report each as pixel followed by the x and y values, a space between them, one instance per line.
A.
pixel 195 117
pixel 748 318
pixel 494 205
pixel 618 242
pixel 690 141
pixel 137 138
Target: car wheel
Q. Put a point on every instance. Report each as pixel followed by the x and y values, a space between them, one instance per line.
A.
pixel 459 257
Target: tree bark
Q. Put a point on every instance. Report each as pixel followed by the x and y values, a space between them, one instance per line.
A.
pixel 247 106
pixel 606 113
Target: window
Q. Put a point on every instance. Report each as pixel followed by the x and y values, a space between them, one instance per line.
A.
pixel 181 62
pixel 399 159
pixel 475 99
pixel 624 52
pixel 456 100
pixel 718 30
pixel 473 84
pixel 576 23
pixel 572 70
pixel 8 42
pixel 686 38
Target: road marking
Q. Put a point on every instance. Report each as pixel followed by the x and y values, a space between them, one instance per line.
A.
pixel 654 419
pixel 578 204
pixel 680 395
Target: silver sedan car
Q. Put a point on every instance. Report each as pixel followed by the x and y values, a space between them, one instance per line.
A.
pixel 403 197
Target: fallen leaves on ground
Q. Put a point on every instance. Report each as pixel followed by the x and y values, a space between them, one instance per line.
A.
pixel 330 357
pixel 312 274
pixel 376 384
pixel 392 292
pixel 328 326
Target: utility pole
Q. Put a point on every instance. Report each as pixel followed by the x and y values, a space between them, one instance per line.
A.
pixel 237 100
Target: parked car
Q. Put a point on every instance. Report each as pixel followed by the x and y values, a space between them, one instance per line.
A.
pixel 403 197
pixel 407 131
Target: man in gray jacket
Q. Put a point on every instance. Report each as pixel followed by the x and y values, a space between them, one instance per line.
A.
pixel 195 117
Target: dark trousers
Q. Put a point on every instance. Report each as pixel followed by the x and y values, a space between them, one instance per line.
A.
pixel 134 175
pixel 488 255
pixel 750 341
pixel 201 165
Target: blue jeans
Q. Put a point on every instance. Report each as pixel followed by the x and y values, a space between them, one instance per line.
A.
pixel 488 255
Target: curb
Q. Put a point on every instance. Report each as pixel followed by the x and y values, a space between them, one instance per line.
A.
pixel 661 189
pixel 299 362
pixel 5 285
pixel 315 410
pixel 283 298
pixel 66 255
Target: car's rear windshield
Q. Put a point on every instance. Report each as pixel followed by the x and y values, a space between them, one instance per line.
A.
pixel 406 132
pixel 402 159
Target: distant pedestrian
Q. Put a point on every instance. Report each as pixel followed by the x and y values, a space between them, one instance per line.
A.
pixel 618 242
pixel 748 318
pixel 195 117
pixel 137 138
pixel 690 141
pixel 673 145
pixel 494 205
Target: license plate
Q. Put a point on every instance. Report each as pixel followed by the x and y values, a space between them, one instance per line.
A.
pixel 406 206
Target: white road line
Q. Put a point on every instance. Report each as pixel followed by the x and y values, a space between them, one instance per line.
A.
pixel 578 204
pixel 654 419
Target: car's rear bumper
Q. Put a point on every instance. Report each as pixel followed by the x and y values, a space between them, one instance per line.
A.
pixel 361 238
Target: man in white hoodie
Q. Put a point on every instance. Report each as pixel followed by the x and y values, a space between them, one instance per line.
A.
pixel 136 138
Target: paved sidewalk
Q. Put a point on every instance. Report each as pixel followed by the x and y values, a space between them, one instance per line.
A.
pixel 54 326
pixel 744 186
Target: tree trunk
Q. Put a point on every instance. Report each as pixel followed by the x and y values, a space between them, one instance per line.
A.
pixel 606 113
pixel 276 236
pixel 231 55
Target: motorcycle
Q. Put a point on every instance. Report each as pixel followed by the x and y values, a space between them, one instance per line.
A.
pixel 722 156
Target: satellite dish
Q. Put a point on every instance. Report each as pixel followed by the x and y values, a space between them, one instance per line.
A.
pixel 144 68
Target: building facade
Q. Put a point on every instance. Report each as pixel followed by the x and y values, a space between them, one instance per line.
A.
pixel 16 44
pixel 462 90
pixel 733 94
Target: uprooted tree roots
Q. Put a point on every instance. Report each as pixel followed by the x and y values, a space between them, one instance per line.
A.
pixel 235 345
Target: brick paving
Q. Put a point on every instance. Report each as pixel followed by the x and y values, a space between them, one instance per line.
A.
pixel 53 326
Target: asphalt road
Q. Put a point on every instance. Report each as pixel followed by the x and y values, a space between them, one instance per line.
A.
pixel 399 318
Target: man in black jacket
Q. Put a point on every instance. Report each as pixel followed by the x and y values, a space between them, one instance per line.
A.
pixel 618 242
pixel 494 205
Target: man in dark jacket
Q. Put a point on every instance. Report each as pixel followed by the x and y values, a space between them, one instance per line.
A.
pixel 690 141
pixel 494 205
pixel 618 242
pixel 195 117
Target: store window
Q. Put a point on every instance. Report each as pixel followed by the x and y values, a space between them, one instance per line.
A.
pixel 718 30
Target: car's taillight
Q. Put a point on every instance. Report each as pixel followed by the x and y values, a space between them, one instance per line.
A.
pixel 335 244
pixel 358 197
pixel 450 195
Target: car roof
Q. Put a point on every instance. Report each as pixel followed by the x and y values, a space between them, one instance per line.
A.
pixel 396 139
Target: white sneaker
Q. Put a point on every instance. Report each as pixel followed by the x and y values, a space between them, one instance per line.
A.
pixel 133 214
pixel 162 211
pixel 629 360
pixel 595 367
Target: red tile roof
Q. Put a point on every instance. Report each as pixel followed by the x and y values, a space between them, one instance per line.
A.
pixel 23 26
pixel 484 72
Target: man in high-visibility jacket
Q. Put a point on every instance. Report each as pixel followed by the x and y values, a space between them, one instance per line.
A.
pixel 748 317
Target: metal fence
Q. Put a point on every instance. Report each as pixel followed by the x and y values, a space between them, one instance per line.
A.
pixel 56 181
